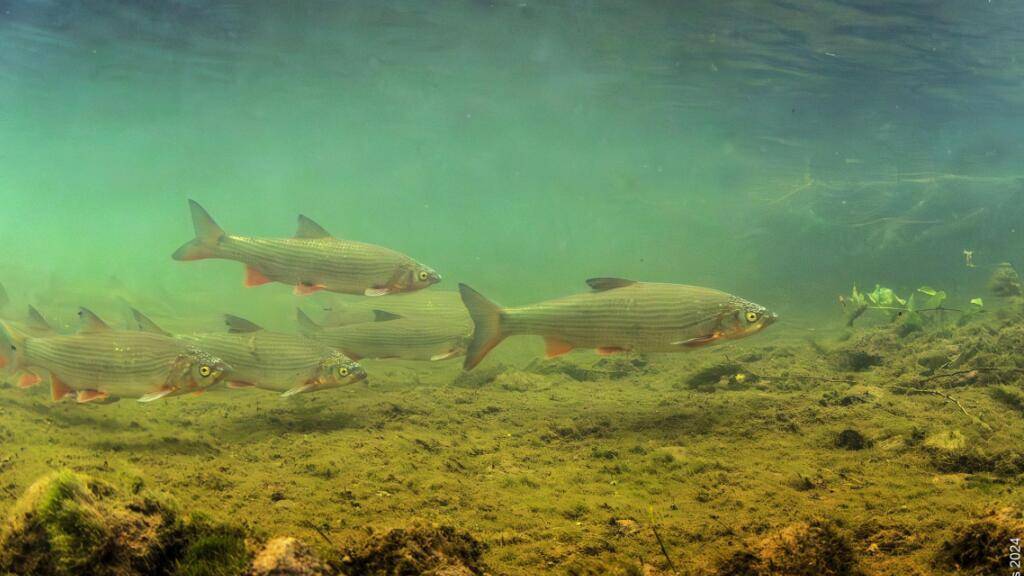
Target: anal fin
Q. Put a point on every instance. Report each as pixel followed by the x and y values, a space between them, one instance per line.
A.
pixel 253 277
pixel 555 347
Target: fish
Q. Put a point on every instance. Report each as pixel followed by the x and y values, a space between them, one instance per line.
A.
pixel 437 304
pixel 311 261
pixel 618 315
pixel 391 336
pixel 100 364
pixel 275 361
pixel 4 298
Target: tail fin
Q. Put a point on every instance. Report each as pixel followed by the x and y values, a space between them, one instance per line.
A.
pixel 487 325
pixel 208 234
pixel 306 324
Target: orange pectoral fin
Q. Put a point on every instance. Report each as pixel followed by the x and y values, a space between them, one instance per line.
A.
pixel 609 350
pixel 699 341
pixel 555 347
pixel 305 289
pixel 91 396
pixel 58 389
pixel 253 277
pixel 237 385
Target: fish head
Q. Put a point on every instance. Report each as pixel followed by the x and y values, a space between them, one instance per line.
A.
pixel 746 318
pixel 420 277
pixel 200 371
pixel 337 370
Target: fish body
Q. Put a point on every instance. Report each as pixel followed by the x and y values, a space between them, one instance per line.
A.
pixel 440 305
pixel 276 361
pixel 99 363
pixel 392 336
pixel 618 315
pixel 313 260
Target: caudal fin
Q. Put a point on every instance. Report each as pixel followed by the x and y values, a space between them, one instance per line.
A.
pixel 208 234
pixel 486 317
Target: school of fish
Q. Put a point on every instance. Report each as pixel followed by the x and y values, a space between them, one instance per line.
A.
pixel 101 364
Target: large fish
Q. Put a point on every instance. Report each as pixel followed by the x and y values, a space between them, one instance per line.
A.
pixel 391 336
pixel 271 360
pixel 618 315
pixel 312 260
pixel 100 364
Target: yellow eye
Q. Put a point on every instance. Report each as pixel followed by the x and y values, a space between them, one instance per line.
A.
pixel 424 275
pixel 752 316
pixel 343 371
pixel 205 371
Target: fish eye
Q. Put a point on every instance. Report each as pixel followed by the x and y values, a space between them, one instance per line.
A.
pixel 424 275
pixel 752 316
pixel 205 371
pixel 342 371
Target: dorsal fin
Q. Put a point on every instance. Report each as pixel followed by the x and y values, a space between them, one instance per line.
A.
pixel 237 325
pixel 147 325
pixel 91 322
pixel 310 229
pixel 37 322
pixel 384 316
pixel 306 323
pixel 602 284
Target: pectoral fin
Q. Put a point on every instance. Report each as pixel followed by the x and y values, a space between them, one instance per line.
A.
pixel 156 395
pixel 305 289
pixel 240 385
pixel 445 355
pixel 92 396
pixel 555 347
pixel 376 291
pixel 299 390
pixel 609 350
pixel 699 341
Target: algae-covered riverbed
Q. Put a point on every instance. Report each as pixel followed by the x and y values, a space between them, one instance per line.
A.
pixel 800 453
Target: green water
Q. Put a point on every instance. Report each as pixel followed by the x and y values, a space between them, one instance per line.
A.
pixel 780 150
pixel 514 146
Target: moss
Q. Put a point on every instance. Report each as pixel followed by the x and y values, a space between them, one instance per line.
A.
pixel 1008 396
pixel 981 546
pixel 68 524
pixel 815 548
pixel 430 550
pixel 214 551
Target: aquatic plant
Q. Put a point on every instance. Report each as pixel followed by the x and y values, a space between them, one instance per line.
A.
pixel 909 309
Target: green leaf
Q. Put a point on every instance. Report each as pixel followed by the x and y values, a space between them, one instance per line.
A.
pixel 977 302
pixel 927 290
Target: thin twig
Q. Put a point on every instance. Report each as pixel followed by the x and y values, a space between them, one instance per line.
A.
pixel 661 543
pixel 949 398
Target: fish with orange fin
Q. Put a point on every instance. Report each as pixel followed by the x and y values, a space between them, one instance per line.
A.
pixel 100 364
pixel 259 358
pixel 313 260
pixel 618 315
